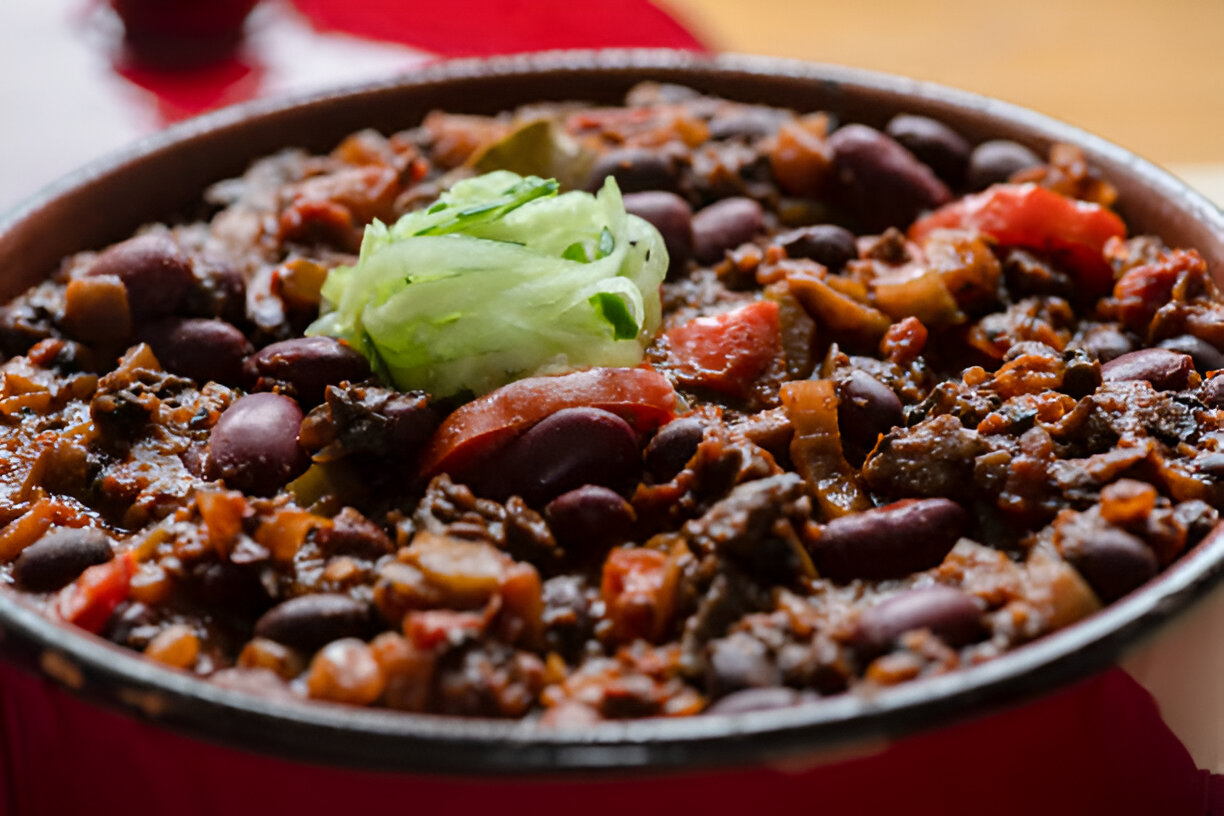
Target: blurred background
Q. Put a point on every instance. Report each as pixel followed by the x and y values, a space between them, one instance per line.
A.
pixel 77 83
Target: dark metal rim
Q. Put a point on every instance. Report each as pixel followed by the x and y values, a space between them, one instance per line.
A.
pixel 392 741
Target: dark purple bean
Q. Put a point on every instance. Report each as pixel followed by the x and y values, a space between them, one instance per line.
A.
pixel 590 517
pixel 569 449
pixel 672 216
pixel 748 122
pixel 220 291
pixel 725 225
pixel 1206 356
pixel 305 366
pixel 635 169
pixel 737 662
pixel 59 557
pixel 759 699
pixel 826 244
pixel 309 622
pixel 996 161
pixel 934 144
pixel 1106 343
pixel 1165 370
pixel 889 542
pixel 155 272
pixel 199 348
pixel 1212 392
pixel 953 616
pixel 229 586
pixel 866 408
pixel 254 445
pixel 672 447
pixel 1198 517
pixel 1112 561
pixel 880 181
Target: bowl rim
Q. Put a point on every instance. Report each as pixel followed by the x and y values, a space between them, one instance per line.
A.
pixel 394 741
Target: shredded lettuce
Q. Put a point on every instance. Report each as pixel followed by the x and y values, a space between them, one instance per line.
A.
pixel 502 278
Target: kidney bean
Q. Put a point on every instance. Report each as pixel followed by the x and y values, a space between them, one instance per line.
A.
pixel 670 449
pixel 725 225
pixel 952 615
pixel 764 698
pixel 199 348
pixel 934 144
pixel 672 216
pixel 1166 370
pixel 881 182
pixel 749 122
pixel 826 244
pixel 888 542
pixel 1081 373
pixel 1212 392
pixel 1106 343
pixel 995 161
pixel 305 366
pixel 591 517
pixel 1206 356
pixel 866 408
pixel 254 445
pixel 564 451
pixel 309 622
pixel 737 662
pixel 59 557
pixel 1112 561
pixel 154 270
pixel 635 169
pixel 220 291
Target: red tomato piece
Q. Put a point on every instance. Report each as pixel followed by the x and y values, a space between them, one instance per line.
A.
pixel 728 352
pixel 640 396
pixel 1027 215
pixel 638 589
pixel 89 601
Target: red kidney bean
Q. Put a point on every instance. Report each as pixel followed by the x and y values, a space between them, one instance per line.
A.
pixel 59 557
pixel 220 291
pixel 826 244
pixel 934 144
pixel 759 699
pixel 996 161
pixel 952 615
pixel 670 449
pixel 562 452
pixel 305 366
pixel 1166 370
pixel 1212 392
pixel 672 216
pixel 309 622
pixel 889 542
pixel 254 445
pixel 635 169
pixel 880 181
pixel 154 270
pixel 866 408
pixel 1206 356
pixel 590 517
pixel 1106 343
pixel 725 225
pixel 199 348
pixel 1112 561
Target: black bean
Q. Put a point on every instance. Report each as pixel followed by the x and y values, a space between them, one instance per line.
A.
pixel 826 244
pixel 995 161
pixel 952 615
pixel 866 408
pixel 254 445
pixel 198 348
pixel 155 272
pixel 590 517
pixel 672 447
pixel 880 181
pixel 1206 356
pixel 309 622
pixel 737 662
pixel 1112 561
pixel 59 557
pixel 758 699
pixel 672 216
pixel 1212 392
pixel 569 449
pixel 725 225
pixel 305 366
pixel 1166 370
pixel 890 541
pixel 635 169
pixel 934 144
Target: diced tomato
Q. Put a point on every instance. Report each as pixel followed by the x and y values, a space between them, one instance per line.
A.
pixel 728 352
pixel 642 397
pixel 89 601
pixel 638 589
pixel 1026 215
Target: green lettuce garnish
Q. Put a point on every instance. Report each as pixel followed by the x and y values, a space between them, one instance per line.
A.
pixel 502 278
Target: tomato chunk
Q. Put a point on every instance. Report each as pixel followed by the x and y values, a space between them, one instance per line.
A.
pixel 89 601
pixel 640 396
pixel 1026 215
pixel 728 352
